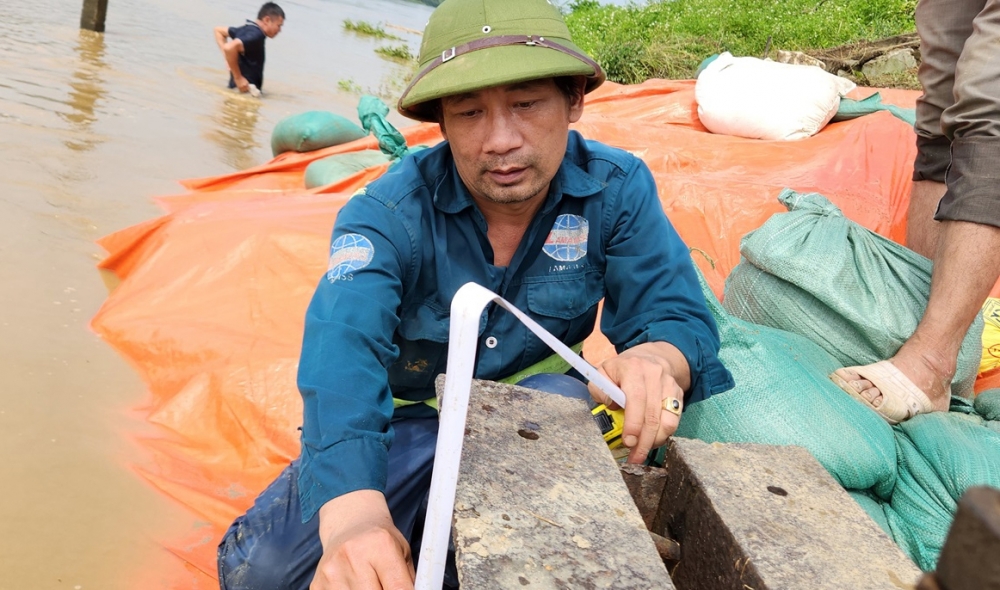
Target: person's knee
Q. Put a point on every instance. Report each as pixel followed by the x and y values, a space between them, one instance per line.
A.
pixel 249 562
pixel 269 547
pixel 266 562
pixel 559 384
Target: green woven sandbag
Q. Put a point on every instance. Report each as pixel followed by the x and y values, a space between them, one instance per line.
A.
pixel 783 397
pixel 874 507
pixel 988 404
pixel 816 273
pixel 333 168
pixel 313 130
pixel 373 112
pixel 852 109
pixel 941 455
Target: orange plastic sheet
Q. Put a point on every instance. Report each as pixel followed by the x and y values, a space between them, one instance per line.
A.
pixel 212 296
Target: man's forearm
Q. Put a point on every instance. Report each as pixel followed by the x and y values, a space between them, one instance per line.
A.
pixel 233 61
pixel 340 512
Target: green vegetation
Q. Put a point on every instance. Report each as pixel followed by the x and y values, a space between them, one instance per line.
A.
pixel 349 86
pixel 396 52
pixel 669 38
pixel 369 30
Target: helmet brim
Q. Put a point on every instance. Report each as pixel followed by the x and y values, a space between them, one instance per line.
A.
pixel 494 66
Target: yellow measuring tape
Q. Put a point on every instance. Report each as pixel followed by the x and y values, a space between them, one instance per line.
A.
pixel 611 422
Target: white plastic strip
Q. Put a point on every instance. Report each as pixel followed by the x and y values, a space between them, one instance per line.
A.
pixel 466 309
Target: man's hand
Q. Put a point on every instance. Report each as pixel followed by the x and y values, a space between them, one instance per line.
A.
pixel 650 374
pixel 362 549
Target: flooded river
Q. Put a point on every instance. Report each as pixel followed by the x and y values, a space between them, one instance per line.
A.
pixel 92 126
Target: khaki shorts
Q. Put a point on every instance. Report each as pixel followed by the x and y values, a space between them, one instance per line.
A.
pixel 958 116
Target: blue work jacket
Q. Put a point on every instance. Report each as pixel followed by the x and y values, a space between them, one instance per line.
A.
pixel 377 326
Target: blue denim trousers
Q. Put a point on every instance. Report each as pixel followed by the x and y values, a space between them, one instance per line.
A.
pixel 270 548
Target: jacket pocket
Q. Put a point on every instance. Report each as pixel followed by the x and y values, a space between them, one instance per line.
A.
pixel 565 298
pixel 424 322
pixel 422 338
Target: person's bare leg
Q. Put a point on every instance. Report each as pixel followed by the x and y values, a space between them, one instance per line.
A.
pixel 922 231
pixel 966 268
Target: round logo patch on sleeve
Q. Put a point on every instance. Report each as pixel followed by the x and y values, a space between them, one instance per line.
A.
pixel 349 254
pixel 567 242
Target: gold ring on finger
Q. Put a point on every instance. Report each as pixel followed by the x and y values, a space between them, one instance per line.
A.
pixel 672 405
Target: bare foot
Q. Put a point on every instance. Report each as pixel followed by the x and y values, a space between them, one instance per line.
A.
pixel 927 372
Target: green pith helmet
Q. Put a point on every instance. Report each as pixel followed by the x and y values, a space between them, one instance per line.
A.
pixel 469 45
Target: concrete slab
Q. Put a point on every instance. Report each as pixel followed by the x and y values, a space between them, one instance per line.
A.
pixel 760 517
pixel 540 501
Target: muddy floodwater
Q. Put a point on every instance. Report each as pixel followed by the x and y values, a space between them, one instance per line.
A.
pixel 92 126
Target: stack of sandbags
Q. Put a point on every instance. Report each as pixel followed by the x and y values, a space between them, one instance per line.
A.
pixel 814 292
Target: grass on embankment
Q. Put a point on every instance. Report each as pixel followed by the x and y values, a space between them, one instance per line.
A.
pixel 668 39
pixel 400 53
pixel 369 30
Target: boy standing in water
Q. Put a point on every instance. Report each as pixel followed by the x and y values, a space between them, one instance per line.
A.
pixel 244 50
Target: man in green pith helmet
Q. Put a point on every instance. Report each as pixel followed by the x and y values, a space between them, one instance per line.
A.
pixel 513 201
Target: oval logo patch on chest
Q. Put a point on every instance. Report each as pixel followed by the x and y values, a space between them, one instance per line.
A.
pixel 567 242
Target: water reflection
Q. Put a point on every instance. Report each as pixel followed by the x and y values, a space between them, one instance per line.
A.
pixel 235 127
pixel 86 89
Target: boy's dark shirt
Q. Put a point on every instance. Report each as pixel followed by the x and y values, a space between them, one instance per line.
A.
pixel 251 61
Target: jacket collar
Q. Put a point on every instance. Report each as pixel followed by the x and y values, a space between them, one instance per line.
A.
pixel 452 196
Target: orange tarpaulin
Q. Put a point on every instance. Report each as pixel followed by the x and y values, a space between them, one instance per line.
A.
pixel 212 296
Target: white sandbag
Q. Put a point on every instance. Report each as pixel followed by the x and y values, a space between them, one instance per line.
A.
pixel 761 99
